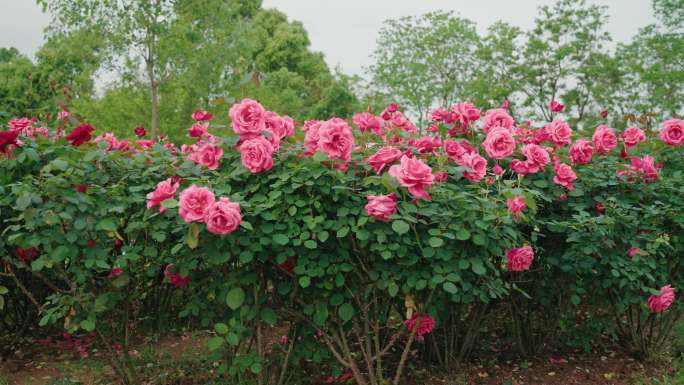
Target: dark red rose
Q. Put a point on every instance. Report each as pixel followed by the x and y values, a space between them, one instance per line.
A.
pixel 604 114
pixel 117 243
pixel 7 138
pixel 202 116
pixel 80 134
pixel 288 265
pixel 82 188
pixel 91 243
pixel 600 207
pixel 117 271
pixel 140 131
pixel 26 255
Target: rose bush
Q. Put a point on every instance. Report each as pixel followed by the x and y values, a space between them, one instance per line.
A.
pixel 362 242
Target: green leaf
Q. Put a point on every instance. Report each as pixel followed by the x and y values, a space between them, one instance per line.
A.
pixel 269 316
pixel 304 281
pixel 192 238
pixel 450 287
pixel 462 234
pixel 170 203
pixel 215 343
pixel 346 311
pixel 235 298
pixel 281 239
pixel 3 290
pixel 342 232
pixel 310 244
pixel 477 266
pixel 436 242
pixel 221 328
pixel 255 368
pixel 246 225
pixel 393 289
pixel 107 224
pixel 400 227
pixel 87 325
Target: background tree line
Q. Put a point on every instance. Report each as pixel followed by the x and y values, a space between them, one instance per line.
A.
pixel 127 63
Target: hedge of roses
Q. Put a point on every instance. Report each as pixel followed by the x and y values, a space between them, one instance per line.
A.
pixel 364 241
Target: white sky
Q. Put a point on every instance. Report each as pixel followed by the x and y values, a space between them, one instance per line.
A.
pixel 345 31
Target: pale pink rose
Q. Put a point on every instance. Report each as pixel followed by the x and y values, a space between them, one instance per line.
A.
pixel 257 155
pixel 381 207
pixel 311 127
pixel 165 189
pixel 367 121
pixel 20 125
pixel 427 144
pixel 516 205
pixel 497 117
pixel 645 167
pixel 632 136
pixel 556 106
pixel 201 116
pixel 559 132
pixel 524 167
pixel 194 202
pixel 672 132
pixel 604 139
pixel 466 113
pixel 248 117
pixel 520 259
pixel 223 217
pixel 476 163
pixel 663 301
pixel 455 150
pixel 415 175
pixel 499 143
pixel 564 175
pixel 198 130
pixel 581 152
pixel 383 157
pixel 336 139
pixel 207 155
pixel 497 170
pixel 536 154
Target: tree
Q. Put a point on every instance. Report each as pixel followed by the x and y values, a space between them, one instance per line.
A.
pixel 425 60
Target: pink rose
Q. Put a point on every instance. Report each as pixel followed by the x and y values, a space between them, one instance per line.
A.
pixel 645 167
pixel 198 130
pixel 415 175
pixel 564 175
pixel 207 155
pixel 556 106
pixel 581 152
pixel 536 154
pixel 201 116
pixel 384 157
pixel 499 143
pixel 194 202
pixel 311 127
pixel 367 121
pixel 427 144
pixel 248 117
pixel 278 127
pixel 381 207
pixel 146 144
pixel 20 125
pixel 672 132
pixel 165 189
pixel 455 150
pixel 663 301
pixel 223 217
pixel 140 131
pixel 559 132
pixel 426 325
pixel 442 115
pixel 633 251
pixel 516 205
pixel 257 155
pixel 497 170
pixel 476 163
pixel 520 259
pixel 466 113
pixel 632 136
pixel 522 168
pixel 497 117
pixel 505 104
pixel 604 139
pixel 400 121
pixel 336 139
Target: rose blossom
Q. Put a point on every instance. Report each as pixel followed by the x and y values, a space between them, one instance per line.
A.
pixel 516 205
pixel 556 106
pixel 559 132
pixel 564 175
pixel 201 116
pixel 632 136
pixel 140 131
pixel 427 144
pixel 383 157
pixel 604 139
pixel 336 139
pixel 367 121
pixel 248 117
pixel 604 114
pixel 522 168
pixel 165 189
pixel 645 167
pixel 381 207
pixel 257 155
pixel 499 143
pixel 207 155
pixel 7 140
pixel 20 125
pixel 476 163
pixel 497 117
pixel 672 132
pixel 415 175
pixel 426 325
pixel 80 134
pixel 633 251
pixel 223 217
pixel 520 259
pixel 455 150
pixel 115 272
pixel 175 279
pixel 466 113
pixel 663 301
pixel 497 170
pixel 194 202
pixel 536 154
pixel 581 152
pixel 198 130
pixel 400 121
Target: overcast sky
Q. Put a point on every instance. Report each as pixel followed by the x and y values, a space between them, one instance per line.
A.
pixel 345 31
